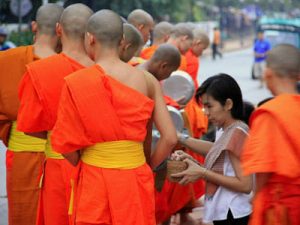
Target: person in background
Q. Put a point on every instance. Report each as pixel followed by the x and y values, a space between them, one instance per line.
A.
pixel 216 43
pixel 261 47
pixel 4 44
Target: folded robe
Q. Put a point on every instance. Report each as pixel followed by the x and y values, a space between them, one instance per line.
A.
pixel 109 112
pixel 273 147
pixel 39 92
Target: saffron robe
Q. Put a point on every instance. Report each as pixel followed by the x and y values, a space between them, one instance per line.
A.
pixel 12 64
pixel 192 66
pixel 109 111
pixel 22 178
pixel 147 53
pixel 273 147
pixel 39 92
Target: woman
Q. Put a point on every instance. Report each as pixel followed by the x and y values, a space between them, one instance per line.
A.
pixel 227 190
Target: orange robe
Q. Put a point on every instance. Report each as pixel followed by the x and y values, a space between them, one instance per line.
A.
pixel 192 66
pixel 23 168
pixel 147 53
pixel 183 64
pixel 273 147
pixel 39 93
pixel 104 115
pixel 197 119
pixel 12 64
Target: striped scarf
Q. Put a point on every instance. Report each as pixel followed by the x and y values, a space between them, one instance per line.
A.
pixel 231 140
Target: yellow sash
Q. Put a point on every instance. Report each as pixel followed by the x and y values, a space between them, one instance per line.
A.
pixel 115 154
pixel 20 142
pixel 49 151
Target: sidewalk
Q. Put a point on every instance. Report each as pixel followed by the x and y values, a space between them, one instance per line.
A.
pixel 231 45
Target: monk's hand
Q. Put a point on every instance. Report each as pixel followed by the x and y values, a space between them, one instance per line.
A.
pixel 193 173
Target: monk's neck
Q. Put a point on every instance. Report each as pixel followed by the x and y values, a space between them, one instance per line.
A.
pixel 285 89
pixel 144 66
pixel 44 46
pixel 173 42
pixel 76 51
pixel 106 55
pixel 107 58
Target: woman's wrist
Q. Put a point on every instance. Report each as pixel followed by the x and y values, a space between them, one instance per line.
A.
pixel 183 138
pixel 204 173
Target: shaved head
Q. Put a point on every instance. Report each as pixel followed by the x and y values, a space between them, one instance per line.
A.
pixel 46 18
pixel 133 41
pixel 132 35
pixel 284 60
pixel 200 35
pixel 162 30
pixel 180 30
pixel 74 20
pixel 143 21
pixel 140 17
pixel 167 53
pixel 107 26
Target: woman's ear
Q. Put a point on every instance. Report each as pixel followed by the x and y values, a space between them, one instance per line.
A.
pixel 228 104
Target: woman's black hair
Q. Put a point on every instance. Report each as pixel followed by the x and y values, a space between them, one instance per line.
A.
pixel 222 87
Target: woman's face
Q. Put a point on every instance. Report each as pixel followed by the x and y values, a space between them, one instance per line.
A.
pixel 215 111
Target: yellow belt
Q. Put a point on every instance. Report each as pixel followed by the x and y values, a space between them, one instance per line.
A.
pixel 20 142
pixel 116 154
pixel 49 150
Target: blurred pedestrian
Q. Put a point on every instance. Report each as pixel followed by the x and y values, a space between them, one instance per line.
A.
pixel 4 44
pixel 261 47
pixel 216 43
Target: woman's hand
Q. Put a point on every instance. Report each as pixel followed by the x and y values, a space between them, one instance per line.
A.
pixel 180 155
pixel 193 173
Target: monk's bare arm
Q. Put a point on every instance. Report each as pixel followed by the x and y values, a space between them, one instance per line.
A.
pixel 164 124
pixel 239 183
pixel 199 146
pixel 42 134
pixel 72 157
pixel 148 141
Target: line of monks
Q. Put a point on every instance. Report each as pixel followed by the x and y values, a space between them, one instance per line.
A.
pixel 76 114
pixel 51 110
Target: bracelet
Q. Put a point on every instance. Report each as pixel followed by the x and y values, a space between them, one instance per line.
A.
pixel 183 137
pixel 204 174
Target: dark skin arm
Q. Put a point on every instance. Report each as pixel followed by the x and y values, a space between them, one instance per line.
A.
pixel 261 180
pixel 42 134
pixel 148 141
pixel 72 157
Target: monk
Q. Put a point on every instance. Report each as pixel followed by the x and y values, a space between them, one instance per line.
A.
pixel 182 38
pixel 198 121
pixel 272 151
pixel 132 42
pixel 39 91
pixel 200 43
pixel 108 124
pixel 25 155
pixel 164 61
pixel 161 34
pixel 143 21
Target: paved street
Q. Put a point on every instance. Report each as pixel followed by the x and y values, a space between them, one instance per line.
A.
pixel 238 64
